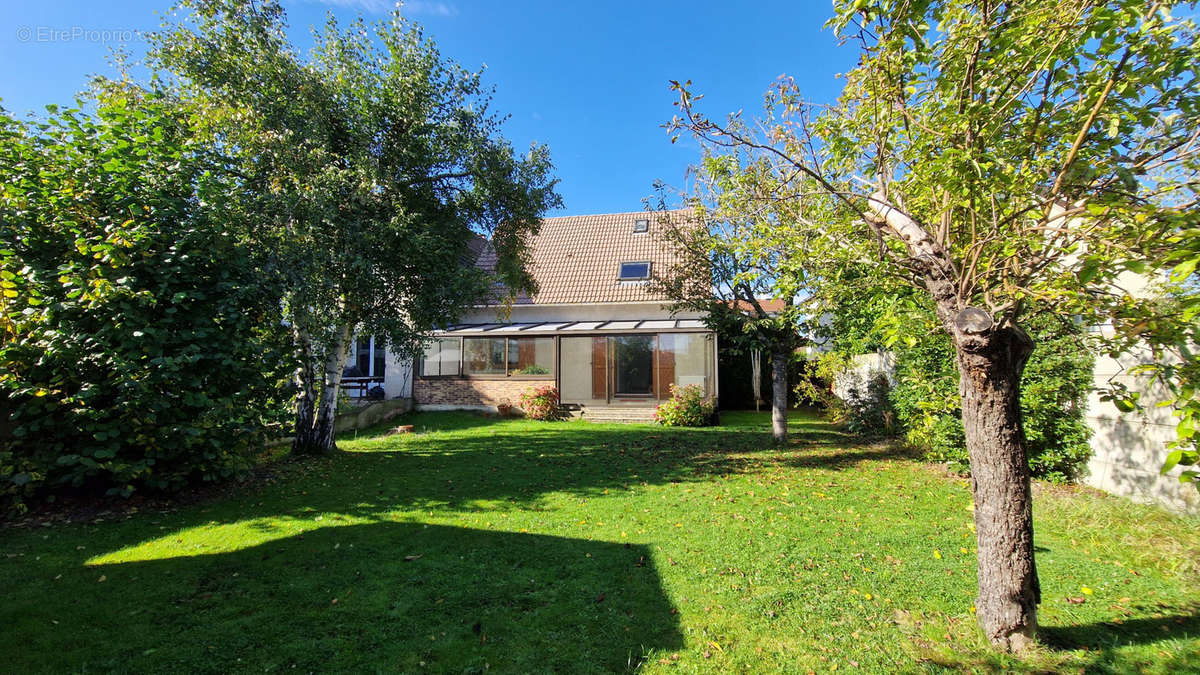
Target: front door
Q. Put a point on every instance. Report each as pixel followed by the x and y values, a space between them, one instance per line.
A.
pixel 633 365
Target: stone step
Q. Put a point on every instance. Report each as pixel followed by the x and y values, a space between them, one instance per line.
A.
pixel 618 415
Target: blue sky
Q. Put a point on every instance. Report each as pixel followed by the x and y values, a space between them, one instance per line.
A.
pixel 588 78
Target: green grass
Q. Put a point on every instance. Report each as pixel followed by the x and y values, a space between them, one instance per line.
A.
pixel 479 544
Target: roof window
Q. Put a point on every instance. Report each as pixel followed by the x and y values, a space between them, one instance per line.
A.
pixel 641 225
pixel 634 270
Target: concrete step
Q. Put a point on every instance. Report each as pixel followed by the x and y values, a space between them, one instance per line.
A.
pixel 615 414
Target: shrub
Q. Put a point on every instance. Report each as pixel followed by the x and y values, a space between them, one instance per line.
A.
pixel 868 411
pixel 1054 390
pixel 540 403
pixel 139 344
pixel 687 407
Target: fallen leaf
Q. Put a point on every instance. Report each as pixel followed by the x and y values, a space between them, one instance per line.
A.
pixel 410 558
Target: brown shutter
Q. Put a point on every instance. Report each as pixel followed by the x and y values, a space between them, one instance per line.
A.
pixel 665 376
pixel 526 353
pixel 600 368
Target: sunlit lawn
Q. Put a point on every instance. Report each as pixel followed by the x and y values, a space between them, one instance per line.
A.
pixel 514 546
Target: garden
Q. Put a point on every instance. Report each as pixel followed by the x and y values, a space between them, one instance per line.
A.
pixel 477 543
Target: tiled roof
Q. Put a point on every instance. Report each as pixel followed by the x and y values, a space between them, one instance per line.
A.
pixel 769 305
pixel 577 259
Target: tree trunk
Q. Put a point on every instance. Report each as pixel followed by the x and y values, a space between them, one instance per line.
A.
pixel 990 361
pixel 990 366
pixel 332 383
pixel 306 395
pixel 779 395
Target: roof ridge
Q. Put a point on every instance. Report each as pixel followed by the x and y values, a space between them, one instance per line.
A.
pixel 617 213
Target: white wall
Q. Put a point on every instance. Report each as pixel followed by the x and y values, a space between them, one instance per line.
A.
pixel 595 312
pixel 397 377
pixel 1129 448
pixel 862 370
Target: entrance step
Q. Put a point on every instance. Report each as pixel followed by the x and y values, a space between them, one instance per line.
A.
pixel 615 414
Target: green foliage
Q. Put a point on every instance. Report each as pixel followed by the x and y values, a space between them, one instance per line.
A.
pixel 541 403
pixel 373 165
pixel 1001 156
pixel 533 369
pixel 1054 392
pixel 868 411
pixel 687 407
pixel 139 350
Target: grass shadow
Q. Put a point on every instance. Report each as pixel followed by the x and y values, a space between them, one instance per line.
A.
pixel 1109 634
pixel 396 596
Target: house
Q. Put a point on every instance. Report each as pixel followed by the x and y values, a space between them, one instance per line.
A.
pixel 595 329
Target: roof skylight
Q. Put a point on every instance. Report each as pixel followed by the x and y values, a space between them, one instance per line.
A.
pixel 634 270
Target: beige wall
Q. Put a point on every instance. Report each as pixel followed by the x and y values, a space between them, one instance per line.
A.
pixel 593 312
pixel 1129 448
pixel 693 359
pixel 575 376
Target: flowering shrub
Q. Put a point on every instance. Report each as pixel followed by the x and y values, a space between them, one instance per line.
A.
pixel 540 403
pixel 687 407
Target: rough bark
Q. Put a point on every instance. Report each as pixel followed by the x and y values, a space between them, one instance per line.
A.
pixel 990 362
pixel 779 395
pixel 304 441
pixel 332 381
pixel 989 386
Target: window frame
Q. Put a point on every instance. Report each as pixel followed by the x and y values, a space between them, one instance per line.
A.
pixel 509 373
pixel 420 370
pixel 621 270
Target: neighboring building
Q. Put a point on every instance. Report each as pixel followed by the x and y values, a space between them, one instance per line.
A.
pixel 595 329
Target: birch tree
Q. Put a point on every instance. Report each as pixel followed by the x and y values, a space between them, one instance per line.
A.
pixel 371 165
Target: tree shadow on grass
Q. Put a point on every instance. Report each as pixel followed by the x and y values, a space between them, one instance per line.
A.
pixel 520 463
pixel 380 596
pixel 1111 634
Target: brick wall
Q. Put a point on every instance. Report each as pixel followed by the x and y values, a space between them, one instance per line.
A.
pixel 468 391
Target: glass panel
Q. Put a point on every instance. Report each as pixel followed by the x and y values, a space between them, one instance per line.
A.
pixel 531 356
pixel 576 364
pixel 378 359
pixel 692 357
pixel 483 356
pixel 633 363
pixel 441 358
pixel 635 270
pixel 362 357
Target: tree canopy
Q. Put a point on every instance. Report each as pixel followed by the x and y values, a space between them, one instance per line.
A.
pixel 995 156
pixel 373 166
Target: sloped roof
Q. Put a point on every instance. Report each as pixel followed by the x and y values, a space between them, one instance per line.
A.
pixel 769 305
pixel 577 259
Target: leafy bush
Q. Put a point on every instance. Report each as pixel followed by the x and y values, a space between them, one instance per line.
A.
pixel 868 411
pixel 1054 390
pixel 687 407
pixel 534 369
pixel 139 347
pixel 540 403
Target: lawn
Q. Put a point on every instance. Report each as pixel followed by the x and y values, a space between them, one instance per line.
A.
pixel 479 544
